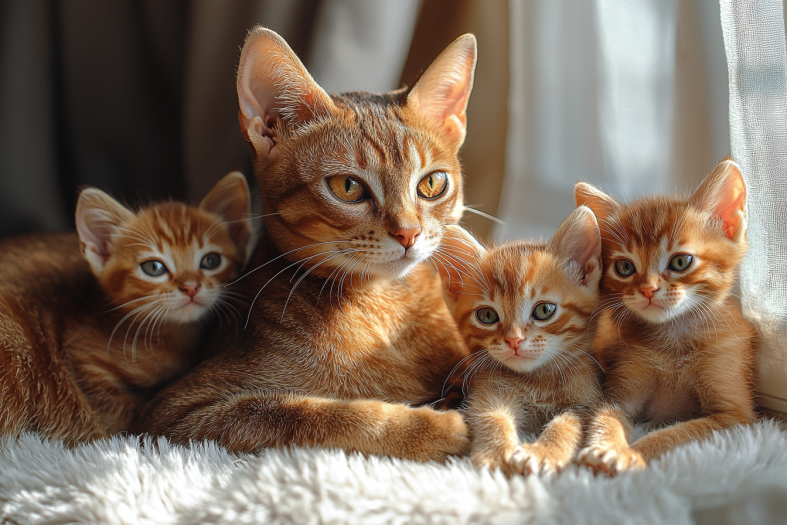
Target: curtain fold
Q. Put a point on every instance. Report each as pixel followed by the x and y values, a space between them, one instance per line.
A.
pixel 754 40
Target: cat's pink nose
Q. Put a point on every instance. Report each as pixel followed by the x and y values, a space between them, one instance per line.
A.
pixel 406 236
pixel 649 289
pixel 190 289
pixel 513 342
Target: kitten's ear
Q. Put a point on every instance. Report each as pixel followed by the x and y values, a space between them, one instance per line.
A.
pixel 601 204
pixel 273 84
pixel 442 92
pixel 723 193
pixel 97 216
pixel 457 260
pixel 230 199
pixel 577 240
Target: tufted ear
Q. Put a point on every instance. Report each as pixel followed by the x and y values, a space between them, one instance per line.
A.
pixel 273 84
pixel 723 193
pixel 458 260
pixel 577 240
pixel 230 199
pixel 601 204
pixel 443 91
pixel 97 217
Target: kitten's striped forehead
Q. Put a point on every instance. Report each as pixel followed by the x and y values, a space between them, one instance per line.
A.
pixel 517 269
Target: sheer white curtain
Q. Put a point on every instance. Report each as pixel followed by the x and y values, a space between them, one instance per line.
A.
pixel 629 95
pixel 757 61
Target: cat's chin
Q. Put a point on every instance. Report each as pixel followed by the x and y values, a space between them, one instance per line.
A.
pixel 190 313
pixel 658 314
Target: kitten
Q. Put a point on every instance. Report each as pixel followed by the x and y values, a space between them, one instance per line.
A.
pixel 524 310
pixel 683 351
pixel 347 328
pixel 85 336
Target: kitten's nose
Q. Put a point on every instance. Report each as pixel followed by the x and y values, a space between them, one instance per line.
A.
pixel 648 290
pixel 406 236
pixel 190 289
pixel 513 342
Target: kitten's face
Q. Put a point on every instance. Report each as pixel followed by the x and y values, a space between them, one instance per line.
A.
pixel 526 305
pixel 669 262
pixel 168 262
pixel 666 257
pixel 171 261
pixel 356 183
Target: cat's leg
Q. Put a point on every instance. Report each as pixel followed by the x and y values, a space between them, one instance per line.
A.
pixel 492 416
pixel 725 395
pixel 555 447
pixel 249 421
pixel 607 446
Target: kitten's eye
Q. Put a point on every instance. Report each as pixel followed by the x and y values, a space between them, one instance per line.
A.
pixel 680 262
pixel 347 189
pixel 210 261
pixel 154 268
pixel 433 185
pixel 624 267
pixel 544 311
pixel 487 315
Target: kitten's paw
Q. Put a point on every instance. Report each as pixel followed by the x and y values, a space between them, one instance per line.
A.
pixel 435 435
pixel 535 459
pixel 611 460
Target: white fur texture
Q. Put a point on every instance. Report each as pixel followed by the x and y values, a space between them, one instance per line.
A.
pixel 738 476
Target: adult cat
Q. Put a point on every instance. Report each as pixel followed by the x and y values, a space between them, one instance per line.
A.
pixel 357 189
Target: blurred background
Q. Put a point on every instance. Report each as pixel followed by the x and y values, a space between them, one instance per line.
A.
pixel 138 97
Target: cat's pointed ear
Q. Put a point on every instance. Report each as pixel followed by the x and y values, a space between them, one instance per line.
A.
pixel 97 217
pixel 723 193
pixel 599 202
pixel 273 84
pixel 230 199
pixel 458 260
pixel 577 241
pixel 443 91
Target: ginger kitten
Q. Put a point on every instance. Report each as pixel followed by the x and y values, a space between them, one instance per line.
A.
pixel 683 351
pixel 85 337
pixel 347 329
pixel 525 310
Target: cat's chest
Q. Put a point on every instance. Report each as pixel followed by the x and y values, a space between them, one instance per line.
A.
pixel 673 386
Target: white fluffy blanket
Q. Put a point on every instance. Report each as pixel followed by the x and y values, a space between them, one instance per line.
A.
pixel 738 476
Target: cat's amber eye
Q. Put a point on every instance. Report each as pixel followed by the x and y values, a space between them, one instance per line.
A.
pixel 210 261
pixel 154 268
pixel 487 315
pixel 544 311
pixel 347 189
pixel 433 185
pixel 680 262
pixel 624 267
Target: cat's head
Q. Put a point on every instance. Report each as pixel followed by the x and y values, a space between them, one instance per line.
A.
pixel 361 180
pixel 665 256
pixel 528 305
pixel 168 261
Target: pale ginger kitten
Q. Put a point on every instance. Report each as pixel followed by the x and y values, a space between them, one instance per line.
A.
pixel 682 351
pixel 524 310
pixel 86 338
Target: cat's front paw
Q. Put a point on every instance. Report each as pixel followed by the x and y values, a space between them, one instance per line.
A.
pixel 435 435
pixel 611 460
pixel 531 458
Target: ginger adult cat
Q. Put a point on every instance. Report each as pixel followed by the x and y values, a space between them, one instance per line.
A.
pixel 346 325
pixel 525 311
pixel 85 337
pixel 684 352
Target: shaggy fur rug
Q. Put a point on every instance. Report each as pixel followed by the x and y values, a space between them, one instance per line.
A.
pixel 739 476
